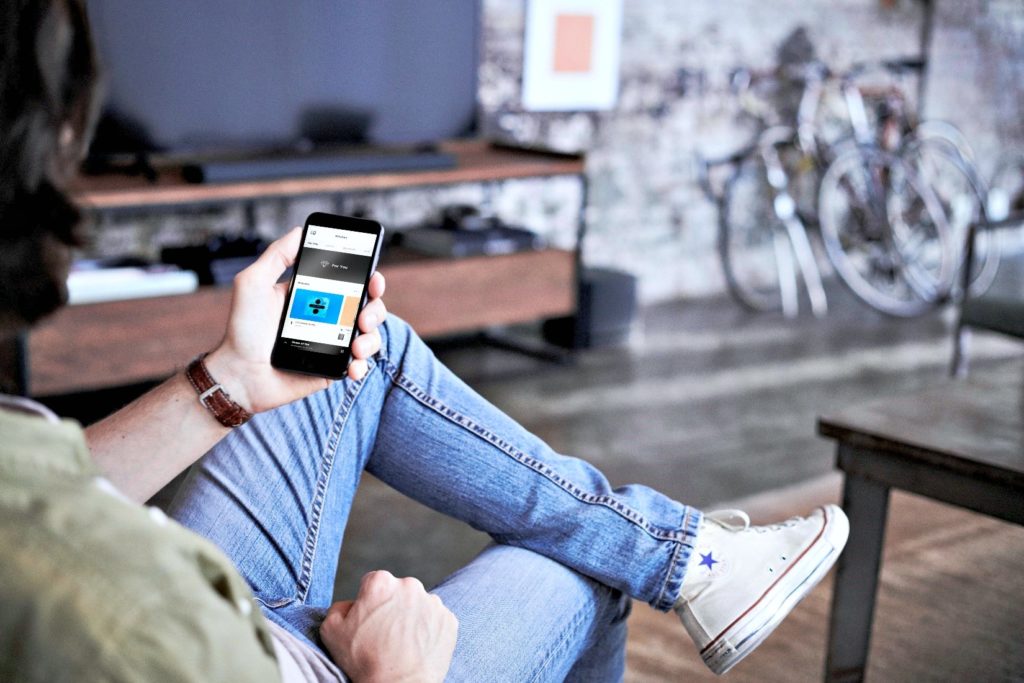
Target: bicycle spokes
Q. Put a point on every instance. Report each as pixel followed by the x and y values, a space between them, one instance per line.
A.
pixel 885 232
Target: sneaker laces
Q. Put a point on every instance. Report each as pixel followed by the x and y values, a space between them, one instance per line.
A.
pixel 731 520
pixel 738 520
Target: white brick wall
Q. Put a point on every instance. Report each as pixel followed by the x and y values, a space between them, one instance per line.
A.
pixel 646 213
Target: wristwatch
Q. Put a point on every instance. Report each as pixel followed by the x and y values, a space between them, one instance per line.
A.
pixel 213 397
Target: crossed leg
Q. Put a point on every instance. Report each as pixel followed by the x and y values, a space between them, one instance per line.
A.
pixel 275 495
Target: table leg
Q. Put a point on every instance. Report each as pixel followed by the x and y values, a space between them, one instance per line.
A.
pixel 866 503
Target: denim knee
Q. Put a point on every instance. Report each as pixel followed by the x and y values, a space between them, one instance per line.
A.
pixel 396 338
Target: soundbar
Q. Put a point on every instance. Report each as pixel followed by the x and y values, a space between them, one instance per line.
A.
pixel 298 166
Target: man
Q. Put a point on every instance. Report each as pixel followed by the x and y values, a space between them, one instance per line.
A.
pixel 237 584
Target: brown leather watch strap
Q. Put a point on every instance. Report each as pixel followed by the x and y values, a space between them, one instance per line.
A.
pixel 213 396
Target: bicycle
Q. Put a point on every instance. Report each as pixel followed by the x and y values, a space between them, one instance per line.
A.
pixel 963 195
pixel 762 242
pixel 943 162
pixel 941 155
pixel 885 232
pixel 884 221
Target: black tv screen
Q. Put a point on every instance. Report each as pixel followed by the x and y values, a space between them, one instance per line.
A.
pixel 200 76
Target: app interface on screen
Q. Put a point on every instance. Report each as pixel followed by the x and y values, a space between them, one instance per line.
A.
pixel 332 268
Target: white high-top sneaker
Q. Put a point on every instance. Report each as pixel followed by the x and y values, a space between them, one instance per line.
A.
pixel 743 580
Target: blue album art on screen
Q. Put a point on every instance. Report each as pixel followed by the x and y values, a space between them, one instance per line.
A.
pixel 316 306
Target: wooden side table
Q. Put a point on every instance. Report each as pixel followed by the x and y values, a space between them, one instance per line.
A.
pixel 960 443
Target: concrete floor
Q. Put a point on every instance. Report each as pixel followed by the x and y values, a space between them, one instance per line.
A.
pixel 706 403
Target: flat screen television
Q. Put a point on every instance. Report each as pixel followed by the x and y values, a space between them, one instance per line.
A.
pixel 193 78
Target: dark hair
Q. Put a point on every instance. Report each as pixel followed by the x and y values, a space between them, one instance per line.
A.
pixel 48 96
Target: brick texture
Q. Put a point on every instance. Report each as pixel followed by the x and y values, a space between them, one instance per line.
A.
pixel 646 213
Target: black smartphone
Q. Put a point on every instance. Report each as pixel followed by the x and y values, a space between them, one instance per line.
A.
pixel 326 293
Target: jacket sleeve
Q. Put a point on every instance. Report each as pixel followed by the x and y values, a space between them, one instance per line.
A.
pixel 196 628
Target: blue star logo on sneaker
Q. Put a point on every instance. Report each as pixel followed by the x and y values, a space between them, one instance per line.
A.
pixel 709 562
pixel 706 560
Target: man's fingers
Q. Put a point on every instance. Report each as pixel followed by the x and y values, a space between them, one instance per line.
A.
pixel 372 315
pixel 377 285
pixel 357 369
pixel 278 257
pixel 377 584
pixel 366 345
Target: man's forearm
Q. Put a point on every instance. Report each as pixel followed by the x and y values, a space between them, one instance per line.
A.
pixel 150 441
pixel 141 447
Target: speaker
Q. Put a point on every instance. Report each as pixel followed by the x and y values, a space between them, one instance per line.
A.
pixel 605 313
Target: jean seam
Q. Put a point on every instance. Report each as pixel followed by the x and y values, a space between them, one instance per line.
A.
pixel 677 566
pixel 560 645
pixel 323 481
pixel 418 393
pixel 274 604
pixel 673 566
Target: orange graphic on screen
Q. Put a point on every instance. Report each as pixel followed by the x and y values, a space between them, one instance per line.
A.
pixel 348 312
pixel 574 42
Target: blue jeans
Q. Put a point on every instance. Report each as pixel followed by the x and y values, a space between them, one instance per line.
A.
pixel 547 602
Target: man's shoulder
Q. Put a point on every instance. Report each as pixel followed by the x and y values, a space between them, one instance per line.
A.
pixel 101 585
pixel 66 582
pixel 72 554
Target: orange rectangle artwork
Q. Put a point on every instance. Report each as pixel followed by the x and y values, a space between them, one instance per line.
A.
pixel 348 311
pixel 574 43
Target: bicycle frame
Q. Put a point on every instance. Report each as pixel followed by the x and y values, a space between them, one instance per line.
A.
pixel 785 209
pixel 794 255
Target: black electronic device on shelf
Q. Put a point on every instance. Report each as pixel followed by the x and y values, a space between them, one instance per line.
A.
pixel 217 261
pixel 342 161
pixel 461 230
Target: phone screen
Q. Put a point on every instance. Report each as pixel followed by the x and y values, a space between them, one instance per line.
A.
pixel 331 273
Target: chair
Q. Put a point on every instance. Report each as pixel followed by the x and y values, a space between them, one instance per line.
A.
pixel 1003 313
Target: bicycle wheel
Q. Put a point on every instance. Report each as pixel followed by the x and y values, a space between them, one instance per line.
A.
pixel 937 129
pixel 884 233
pixel 752 244
pixel 940 163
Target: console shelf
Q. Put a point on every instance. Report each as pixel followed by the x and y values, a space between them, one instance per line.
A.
pixel 95 346
pixel 476 161
pixel 98 346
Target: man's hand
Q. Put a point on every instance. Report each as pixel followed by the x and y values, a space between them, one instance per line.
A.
pixel 242 361
pixel 394 631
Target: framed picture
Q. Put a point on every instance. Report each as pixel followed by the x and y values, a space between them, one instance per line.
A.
pixel 571 54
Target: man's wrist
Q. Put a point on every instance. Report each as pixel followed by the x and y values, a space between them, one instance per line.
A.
pixel 230 374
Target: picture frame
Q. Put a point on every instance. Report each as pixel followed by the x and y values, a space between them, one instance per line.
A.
pixel 571 55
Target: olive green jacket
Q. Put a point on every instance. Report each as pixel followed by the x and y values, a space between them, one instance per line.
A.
pixel 95 588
